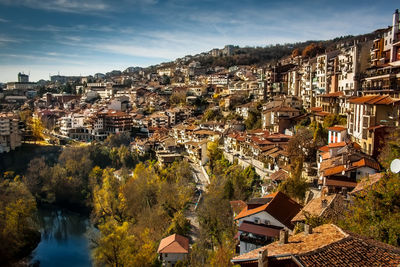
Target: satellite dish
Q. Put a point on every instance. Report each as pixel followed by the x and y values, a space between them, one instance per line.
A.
pixel 395 166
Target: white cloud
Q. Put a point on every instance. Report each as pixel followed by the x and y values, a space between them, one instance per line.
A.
pixel 87 7
pixel 70 6
pixel 4 40
pixel 4 20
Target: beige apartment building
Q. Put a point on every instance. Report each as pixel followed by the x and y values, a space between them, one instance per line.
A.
pixel 10 135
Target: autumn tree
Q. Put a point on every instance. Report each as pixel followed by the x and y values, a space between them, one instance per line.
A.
pixel 115 246
pixel 18 230
pixel 312 50
pixel 37 128
pixel 107 201
pixel 295 53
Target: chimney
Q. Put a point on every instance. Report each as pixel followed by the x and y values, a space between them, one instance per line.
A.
pixel 307 229
pixel 283 236
pixel 344 191
pixel 324 203
pixel 263 258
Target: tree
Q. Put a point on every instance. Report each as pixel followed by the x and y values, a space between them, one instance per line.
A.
pixel 377 213
pixel 37 175
pixel 312 50
pixel 295 186
pixel 302 145
pixel 213 114
pixel 215 217
pixel 178 97
pixel 115 246
pixel 390 149
pixel 295 53
pixel 117 140
pixel 253 120
pixel 37 128
pixel 332 120
pixel 18 230
pixel 107 200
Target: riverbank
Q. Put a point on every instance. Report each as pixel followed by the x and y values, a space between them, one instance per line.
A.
pixel 22 258
pixel 18 160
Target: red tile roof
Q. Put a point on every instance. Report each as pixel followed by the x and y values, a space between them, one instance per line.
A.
pixel 316 109
pixel 328 245
pixel 353 251
pixel 365 162
pixel 334 94
pixel 375 100
pixel 174 244
pixel 281 207
pixel 324 148
pixel 334 170
pixel 337 128
pixel 340 144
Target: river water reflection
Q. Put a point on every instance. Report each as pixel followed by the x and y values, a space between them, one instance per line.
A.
pixel 64 241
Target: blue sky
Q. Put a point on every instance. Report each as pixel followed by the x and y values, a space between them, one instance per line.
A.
pixel 74 37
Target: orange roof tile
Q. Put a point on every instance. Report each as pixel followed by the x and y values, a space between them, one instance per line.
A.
pixel 334 170
pixel 300 243
pixel 174 244
pixel 316 109
pixel 365 162
pixel 334 94
pixel 337 128
pixel 375 100
pixel 326 155
pixel 339 144
pixel 324 148
pixel 314 207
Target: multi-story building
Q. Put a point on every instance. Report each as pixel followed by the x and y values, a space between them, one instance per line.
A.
pixel 369 113
pixel 384 75
pixel 10 135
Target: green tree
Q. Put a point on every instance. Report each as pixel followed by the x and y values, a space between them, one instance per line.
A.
pixel 253 120
pixel 377 213
pixel 296 186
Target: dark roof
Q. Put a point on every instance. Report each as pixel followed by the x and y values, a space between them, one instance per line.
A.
pixel 328 245
pixel 281 207
pixel 353 251
pixel 258 229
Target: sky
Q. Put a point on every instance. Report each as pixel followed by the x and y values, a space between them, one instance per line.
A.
pixel 83 37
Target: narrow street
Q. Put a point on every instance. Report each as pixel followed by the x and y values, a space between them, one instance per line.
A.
pixel 201 186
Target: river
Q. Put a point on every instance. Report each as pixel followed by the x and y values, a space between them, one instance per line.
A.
pixel 64 240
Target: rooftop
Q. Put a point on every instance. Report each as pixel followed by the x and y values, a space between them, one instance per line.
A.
pixel 174 244
pixel 329 245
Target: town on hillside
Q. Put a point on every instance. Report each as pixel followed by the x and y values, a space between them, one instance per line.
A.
pixel 299 141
